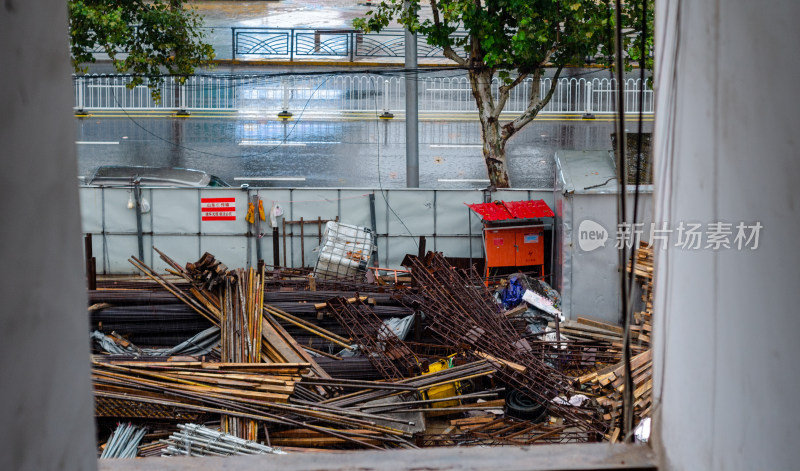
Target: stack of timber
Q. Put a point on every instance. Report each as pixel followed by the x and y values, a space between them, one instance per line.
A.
pixel 607 384
pixel 602 332
pixel 643 271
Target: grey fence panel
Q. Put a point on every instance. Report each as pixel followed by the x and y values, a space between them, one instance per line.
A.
pixel 174 212
pixel 119 218
pixel 119 248
pixel 451 210
pixel 354 207
pixel 181 248
pixel 454 223
pixel 91 210
pixel 177 229
pixel 232 251
pixel 411 211
pixel 458 247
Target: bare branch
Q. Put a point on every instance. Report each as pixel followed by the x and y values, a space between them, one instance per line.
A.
pixel 534 106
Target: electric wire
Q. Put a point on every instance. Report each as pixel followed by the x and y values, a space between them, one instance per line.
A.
pixel 260 154
pixel 627 401
pixel 380 183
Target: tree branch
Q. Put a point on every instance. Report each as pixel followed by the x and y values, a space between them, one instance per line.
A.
pixel 534 106
pixel 504 92
pixel 446 50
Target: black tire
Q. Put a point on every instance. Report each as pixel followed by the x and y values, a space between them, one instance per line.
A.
pixel 521 406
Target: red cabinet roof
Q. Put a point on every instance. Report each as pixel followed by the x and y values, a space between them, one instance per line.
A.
pixel 502 210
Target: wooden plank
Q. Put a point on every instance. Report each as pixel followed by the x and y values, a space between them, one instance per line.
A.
pixel 601 325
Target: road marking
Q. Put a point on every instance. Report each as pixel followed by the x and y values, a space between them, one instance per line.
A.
pixel 287 143
pixel 98 142
pixel 471 146
pixel 280 179
pixel 463 180
pixel 272 143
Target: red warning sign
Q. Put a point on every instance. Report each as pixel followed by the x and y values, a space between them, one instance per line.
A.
pixel 218 209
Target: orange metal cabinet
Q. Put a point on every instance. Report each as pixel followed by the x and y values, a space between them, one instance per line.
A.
pixel 501 250
pixel 514 247
pixel 530 247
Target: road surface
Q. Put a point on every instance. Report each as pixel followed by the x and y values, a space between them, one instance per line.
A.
pixel 345 150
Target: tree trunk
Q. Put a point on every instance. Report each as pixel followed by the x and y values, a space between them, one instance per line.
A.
pixel 494 154
pixel 494 146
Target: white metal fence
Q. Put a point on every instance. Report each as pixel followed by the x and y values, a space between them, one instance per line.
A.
pixel 345 93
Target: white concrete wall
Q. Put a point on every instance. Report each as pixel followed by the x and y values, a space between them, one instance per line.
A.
pixel 727 323
pixel 45 396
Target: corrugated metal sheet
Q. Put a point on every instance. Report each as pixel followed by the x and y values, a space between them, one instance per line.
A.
pixel 504 210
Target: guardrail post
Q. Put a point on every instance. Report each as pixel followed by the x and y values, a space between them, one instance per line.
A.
pixel 291 45
pixel 285 114
pixel 79 111
pixel 588 108
pixel 353 45
pixel 233 43
pixel 182 111
pixel 386 114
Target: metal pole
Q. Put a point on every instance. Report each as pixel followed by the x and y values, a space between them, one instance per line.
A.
pixel 87 245
pixel 276 254
pixel 233 43
pixel 291 45
pixel 256 200
pixel 412 110
pixel 373 221
pixel 137 194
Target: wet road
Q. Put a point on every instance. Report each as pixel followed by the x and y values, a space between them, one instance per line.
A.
pixel 330 152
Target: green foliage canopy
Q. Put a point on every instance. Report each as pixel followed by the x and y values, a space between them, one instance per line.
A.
pixel 143 38
pixel 510 35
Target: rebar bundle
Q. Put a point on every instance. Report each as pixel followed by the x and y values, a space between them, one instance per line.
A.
pixel 382 347
pixel 462 312
pixel 242 301
pixel 196 440
pixel 124 442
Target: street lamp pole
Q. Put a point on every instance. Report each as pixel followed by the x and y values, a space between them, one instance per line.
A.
pixel 412 109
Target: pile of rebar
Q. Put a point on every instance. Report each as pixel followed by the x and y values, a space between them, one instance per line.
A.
pixel 296 367
pixel 124 442
pixel 196 440
pixel 462 312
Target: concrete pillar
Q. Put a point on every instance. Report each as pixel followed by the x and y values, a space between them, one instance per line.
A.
pixel 726 149
pixel 45 397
